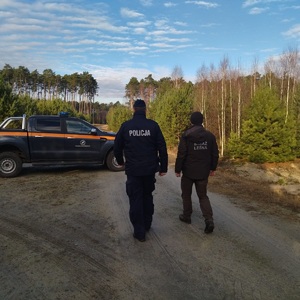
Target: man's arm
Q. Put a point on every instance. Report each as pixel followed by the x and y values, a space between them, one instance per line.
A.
pixel 181 154
pixel 119 147
pixel 162 152
pixel 214 154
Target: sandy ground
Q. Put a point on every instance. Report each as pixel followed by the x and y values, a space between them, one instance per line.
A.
pixel 65 234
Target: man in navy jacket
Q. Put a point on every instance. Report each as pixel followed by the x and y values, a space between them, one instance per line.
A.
pixel 141 142
pixel 197 159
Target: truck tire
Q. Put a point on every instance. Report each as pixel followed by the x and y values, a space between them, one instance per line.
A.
pixel 10 164
pixel 112 164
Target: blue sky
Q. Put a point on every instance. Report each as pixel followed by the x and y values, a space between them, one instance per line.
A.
pixel 115 40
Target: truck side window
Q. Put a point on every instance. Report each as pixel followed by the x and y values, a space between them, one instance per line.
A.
pixel 14 125
pixel 50 125
pixel 74 126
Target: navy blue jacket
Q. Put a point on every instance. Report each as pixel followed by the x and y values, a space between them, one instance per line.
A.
pixel 143 145
pixel 197 154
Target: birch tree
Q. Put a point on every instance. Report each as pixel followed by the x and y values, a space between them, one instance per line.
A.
pixel 270 67
pixel 202 82
pixel 224 65
pixel 289 62
pixel 177 76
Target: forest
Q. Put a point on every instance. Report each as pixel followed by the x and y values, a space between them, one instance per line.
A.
pixel 255 115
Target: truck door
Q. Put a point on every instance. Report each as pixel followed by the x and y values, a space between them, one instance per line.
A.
pixel 46 140
pixel 82 142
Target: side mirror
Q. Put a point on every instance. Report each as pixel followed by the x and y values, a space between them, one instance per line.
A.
pixel 93 131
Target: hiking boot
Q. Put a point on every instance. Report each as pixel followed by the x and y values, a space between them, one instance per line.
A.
pixel 141 239
pixel 184 219
pixel 209 226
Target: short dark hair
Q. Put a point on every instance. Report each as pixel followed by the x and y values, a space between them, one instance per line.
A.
pixel 197 118
pixel 139 103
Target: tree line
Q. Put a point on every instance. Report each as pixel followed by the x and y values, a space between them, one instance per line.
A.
pixel 254 115
pixel 48 92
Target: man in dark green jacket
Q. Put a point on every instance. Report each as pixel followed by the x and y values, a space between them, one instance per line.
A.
pixel 197 159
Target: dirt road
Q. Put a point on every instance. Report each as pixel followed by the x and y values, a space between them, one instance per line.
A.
pixel 65 234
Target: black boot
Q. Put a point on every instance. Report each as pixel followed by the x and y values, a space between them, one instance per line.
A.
pixel 209 226
pixel 184 219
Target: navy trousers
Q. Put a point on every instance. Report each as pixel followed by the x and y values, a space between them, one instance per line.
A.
pixel 139 190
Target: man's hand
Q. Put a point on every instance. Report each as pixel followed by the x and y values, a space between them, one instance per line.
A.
pixel 212 173
pixel 178 174
pixel 162 174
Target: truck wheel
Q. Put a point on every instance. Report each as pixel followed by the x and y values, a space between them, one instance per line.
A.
pixel 10 164
pixel 112 164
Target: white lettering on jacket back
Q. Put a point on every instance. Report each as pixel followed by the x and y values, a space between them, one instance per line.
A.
pixel 141 132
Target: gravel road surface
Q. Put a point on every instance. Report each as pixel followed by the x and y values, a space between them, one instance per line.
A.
pixel 65 234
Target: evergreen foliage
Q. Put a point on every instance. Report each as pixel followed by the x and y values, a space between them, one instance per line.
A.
pixel 12 105
pixel 6 99
pixel 172 111
pixel 23 105
pixel 117 115
pixel 53 107
pixel 297 122
pixel 265 137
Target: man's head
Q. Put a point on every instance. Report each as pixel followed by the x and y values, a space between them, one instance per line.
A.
pixel 197 118
pixel 139 104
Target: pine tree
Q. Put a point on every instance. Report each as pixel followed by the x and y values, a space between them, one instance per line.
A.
pixel 172 112
pixel 266 135
pixel 116 115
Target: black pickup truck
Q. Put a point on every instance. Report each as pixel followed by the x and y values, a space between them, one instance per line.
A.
pixel 53 140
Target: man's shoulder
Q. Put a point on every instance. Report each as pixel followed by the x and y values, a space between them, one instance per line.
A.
pixel 125 123
pixel 209 133
pixel 150 121
pixel 196 130
pixel 144 123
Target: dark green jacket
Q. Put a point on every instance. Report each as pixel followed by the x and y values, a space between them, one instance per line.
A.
pixel 197 154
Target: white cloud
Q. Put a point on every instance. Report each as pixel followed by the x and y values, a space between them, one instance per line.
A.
pixel 293 32
pixel 128 13
pixel 258 10
pixel 209 25
pixel 161 23
pixel 169 4
pixel 211 48
pixel 251 2
pixel 139 24
pixel 169 31
pixel 162 45
pixel 88 42
pixel 6 28
pixel 171 40
pixel 180 23
pixel 267 50
pixel 287 20
pixel 146 2
pixel 203 3
pixel 139 30
pixel 100 25
pixel 112 81
pixel 248 3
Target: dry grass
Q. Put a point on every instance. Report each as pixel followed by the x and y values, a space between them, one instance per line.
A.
pixel 251 192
